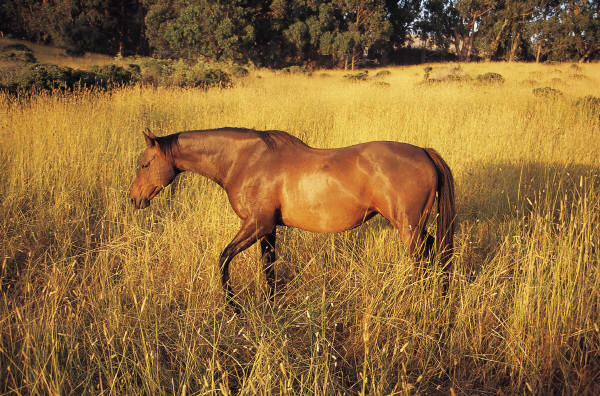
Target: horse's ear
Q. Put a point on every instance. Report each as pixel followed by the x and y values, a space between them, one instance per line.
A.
pixel 150 138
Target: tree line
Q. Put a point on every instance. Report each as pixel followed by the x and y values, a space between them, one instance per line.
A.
pixel 334 33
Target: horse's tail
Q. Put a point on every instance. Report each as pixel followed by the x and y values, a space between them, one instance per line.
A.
pixel 446 208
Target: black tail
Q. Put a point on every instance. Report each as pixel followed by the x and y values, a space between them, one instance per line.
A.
pixel 446 208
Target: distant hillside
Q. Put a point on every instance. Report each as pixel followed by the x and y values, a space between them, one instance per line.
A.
pixel 57 56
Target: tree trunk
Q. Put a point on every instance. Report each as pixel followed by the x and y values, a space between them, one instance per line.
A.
pixel 469 47
pixel 514 46
pixel 588 52
pixel 496 41
pixel 538 52
pixel 459 46
pixel 353 58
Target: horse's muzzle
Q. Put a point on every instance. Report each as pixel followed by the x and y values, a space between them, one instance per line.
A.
pixel 140 203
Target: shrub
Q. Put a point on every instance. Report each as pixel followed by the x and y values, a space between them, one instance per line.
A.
pixel 110 75
pixel 382 73
pixel 490 78
pixel 296 70
pixel 448 74
pixel 578 76
pixel 154 71
pixel 182 74
pixel 360 76
pixel 530 82
pixel 382 84
pixel 427 71
pixel 199 75
pixel 547 92
pixel 589 104
pixel 46 77
pixel 16 47
pixel 17 52
pixel 239 71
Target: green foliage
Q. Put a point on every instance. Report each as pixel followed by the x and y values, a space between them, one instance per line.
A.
pixel 46 77
pixel 279 33
pixel 182 74
pixel 216 30
pixel 547 92
pixel 109 75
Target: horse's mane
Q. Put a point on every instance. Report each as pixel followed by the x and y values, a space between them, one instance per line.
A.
pixel 167 144
pixel 273 139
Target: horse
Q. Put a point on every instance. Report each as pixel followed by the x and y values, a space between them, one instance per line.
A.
pixel 275 179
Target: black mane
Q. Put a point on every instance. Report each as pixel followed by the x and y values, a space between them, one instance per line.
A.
pixel 167 144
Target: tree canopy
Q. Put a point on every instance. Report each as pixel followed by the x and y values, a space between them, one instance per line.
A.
pixel 329 33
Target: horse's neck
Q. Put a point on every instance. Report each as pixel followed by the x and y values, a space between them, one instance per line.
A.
pixel 205 153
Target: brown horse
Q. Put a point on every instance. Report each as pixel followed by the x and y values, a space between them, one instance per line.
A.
pixel 273 178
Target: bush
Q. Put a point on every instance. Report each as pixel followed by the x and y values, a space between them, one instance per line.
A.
pixel 578 76
pixel 547 92
pixel 154 71
pixel 239 71
pixel 16 47
pixel 17 52
pixel 46 77
pixel 382 73
pixel 360 76
pixel 40 76
pixel 296 70
pixel 448 74
pixel 490 78
pixel 382 84
pixel 182 74
pixel 15 78
pixel 589 104
pixel 110 75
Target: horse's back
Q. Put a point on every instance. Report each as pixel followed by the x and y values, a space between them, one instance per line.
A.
pixel 331 190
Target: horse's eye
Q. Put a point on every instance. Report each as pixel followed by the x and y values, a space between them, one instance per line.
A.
pixel 146 165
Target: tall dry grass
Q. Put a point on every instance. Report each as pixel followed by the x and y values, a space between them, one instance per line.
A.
pixel 98 298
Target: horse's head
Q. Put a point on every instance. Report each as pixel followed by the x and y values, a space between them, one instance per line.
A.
pixel 155 171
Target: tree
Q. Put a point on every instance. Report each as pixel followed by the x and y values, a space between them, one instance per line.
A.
pixel 214 29
pixel 454 22
pixel 106 26
pixel 570 31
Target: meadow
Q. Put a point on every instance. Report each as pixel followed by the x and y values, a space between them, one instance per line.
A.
pixel 98 298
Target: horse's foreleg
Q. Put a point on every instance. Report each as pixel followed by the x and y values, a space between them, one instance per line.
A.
pixel 250 232
pixel 267 247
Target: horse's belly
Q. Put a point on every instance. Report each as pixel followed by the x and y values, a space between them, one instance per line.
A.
pixel 321 204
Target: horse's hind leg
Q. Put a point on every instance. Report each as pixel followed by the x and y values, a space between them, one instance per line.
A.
pixel 267 247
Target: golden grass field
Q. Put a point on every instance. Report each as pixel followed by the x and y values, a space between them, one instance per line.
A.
pixel 98 298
